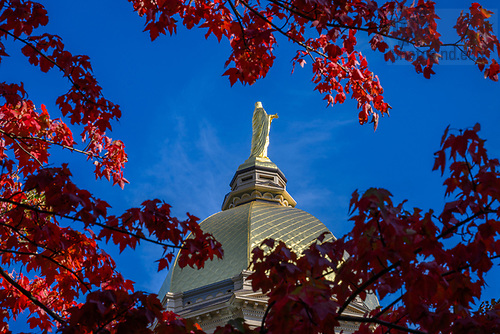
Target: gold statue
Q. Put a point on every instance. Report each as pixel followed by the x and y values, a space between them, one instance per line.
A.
pixel 261 124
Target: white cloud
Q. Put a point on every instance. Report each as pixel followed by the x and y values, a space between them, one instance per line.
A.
pixel 191 171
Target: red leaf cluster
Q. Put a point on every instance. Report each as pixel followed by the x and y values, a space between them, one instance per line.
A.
pixel 479 39
pixel 51 266
pixel 297 287
pixel 429 267
pixel 327 32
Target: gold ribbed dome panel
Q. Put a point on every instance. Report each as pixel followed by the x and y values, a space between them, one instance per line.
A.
pixel 230 228
pixel 295 227
pixel 239 230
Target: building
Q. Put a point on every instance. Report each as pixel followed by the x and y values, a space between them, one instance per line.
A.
pixel 257 207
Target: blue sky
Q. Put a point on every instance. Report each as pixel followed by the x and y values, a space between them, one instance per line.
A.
pixel 186 129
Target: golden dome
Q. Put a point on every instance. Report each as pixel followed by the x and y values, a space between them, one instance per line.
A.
pixel 239 230
pixel 258 207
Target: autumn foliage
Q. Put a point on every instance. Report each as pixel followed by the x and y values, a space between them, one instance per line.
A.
pixel 52 267
pixel 428 266
pixel 325 34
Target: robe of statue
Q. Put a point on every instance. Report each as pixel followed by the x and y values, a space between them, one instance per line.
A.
pixel 261 124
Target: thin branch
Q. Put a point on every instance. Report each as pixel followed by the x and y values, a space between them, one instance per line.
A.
pixel 380 322
pixel 469 169
pixel 465 33
pixel 116 229
pixel 306 307
pixel 37 51
pixel 467 266
pixel 381 237
pixel 333 271
pixel 238 17
pixel 22 148
pixel 307 47
pixel 33 299
pixel 365 285
pixel 50 259
pixel 465 53
pixel 474 216
pixel 24 41
pixel 400 318
pixel 262 328
pixel 389 306
pixel 24 237
pixel 114 318
pixel 12 136
pixel 343 26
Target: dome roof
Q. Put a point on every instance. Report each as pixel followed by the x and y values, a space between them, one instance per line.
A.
pixel 239 230
pixel 258 207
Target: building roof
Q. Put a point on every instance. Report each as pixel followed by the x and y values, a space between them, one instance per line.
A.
pixel 239 230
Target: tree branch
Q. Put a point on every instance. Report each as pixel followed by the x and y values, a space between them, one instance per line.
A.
pixel 115 229
pixel 375 30
pixel 32 298
pixel 365 285
pixel 51 260
pixel 15 139
pixel 55 64
pixel 24 237
pixel 304 45
pixel 238 17
pixel 466 266
pixel 474 216
pixel 114 318
pixel 307 47
pixel 263 322
pixel 389 306
pixel 12 136
pixel 22 40
pixel 350 318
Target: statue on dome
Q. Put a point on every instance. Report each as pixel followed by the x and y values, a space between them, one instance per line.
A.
pixel 261 124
